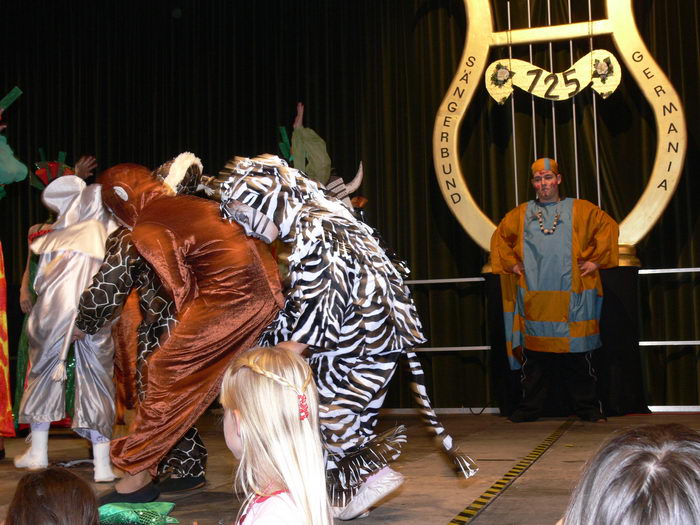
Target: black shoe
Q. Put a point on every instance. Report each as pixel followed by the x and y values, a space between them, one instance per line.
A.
pixel 144 495
pixel 516 417
pixel 183 484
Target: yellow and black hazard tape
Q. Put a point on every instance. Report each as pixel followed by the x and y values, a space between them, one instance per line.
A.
pixel 514 473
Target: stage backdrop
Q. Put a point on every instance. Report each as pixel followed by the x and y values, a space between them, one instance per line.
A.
pixel 143 81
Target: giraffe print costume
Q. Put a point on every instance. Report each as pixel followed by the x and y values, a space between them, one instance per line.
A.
pixel 122 270
pixel 225 288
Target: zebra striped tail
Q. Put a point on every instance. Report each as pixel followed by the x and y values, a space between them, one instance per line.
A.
pixel 465 464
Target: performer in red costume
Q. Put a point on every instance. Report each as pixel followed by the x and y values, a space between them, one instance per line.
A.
pixel 226 291
pixel 11 170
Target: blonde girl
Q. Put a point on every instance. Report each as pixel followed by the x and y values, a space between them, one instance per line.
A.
pixel 271 426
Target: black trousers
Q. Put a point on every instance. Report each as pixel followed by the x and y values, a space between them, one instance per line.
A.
pixel 538 373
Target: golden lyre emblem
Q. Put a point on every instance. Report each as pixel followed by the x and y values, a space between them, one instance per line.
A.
pixel 658 91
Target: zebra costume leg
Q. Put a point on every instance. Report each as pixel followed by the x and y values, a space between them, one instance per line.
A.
pixel 420 394
pixel 351 392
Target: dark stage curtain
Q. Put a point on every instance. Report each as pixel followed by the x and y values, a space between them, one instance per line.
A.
pixel 142 81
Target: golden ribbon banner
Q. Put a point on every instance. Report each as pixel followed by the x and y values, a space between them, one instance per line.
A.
pixel 599 67
pixel 671 132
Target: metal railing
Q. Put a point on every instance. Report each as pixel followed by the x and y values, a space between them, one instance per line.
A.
pixel 487 347
pixel 492 410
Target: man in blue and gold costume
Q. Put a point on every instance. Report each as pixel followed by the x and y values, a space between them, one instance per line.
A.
pixel 548 252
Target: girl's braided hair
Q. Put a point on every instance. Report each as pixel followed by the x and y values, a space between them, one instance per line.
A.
pixel 252 363
pixel 272 391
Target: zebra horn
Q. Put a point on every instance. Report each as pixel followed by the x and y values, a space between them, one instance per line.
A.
pixel 354 184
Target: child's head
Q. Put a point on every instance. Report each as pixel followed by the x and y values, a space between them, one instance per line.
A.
pixel 645 475
pixel 54 496
pixel 271 425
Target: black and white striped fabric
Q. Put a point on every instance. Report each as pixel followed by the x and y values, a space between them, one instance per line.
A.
pixel 346 297
pixel 348 302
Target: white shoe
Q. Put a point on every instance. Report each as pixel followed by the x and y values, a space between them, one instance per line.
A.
pixel 103 466
pixel 37 455
pixel 337 511
pixel 376 487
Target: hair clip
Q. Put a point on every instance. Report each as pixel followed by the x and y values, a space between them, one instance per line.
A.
pixel 303 407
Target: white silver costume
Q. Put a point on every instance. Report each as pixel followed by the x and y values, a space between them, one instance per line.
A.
pixel 69 257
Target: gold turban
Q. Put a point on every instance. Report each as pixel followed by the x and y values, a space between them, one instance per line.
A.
pixel 545 163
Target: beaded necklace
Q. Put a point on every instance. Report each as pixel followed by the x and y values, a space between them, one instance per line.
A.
pixel 540 220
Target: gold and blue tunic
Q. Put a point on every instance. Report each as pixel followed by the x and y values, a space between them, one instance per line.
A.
pixel 552 308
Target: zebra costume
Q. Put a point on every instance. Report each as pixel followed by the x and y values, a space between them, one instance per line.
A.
pixel 347 301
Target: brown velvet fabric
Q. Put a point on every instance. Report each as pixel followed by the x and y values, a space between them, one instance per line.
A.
pixel 139 186
pixel 125 335
pixel 227 291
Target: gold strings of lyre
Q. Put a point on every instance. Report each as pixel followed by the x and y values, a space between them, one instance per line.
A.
pixel 595 108
pixel 574 117
pixel 512 111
